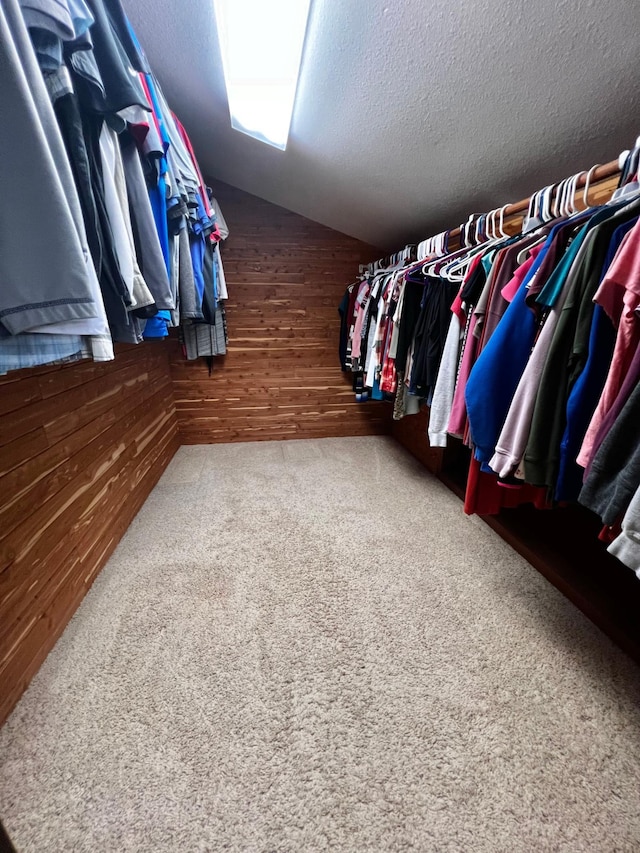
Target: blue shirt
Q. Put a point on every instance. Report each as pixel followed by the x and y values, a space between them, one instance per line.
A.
pixel 495 375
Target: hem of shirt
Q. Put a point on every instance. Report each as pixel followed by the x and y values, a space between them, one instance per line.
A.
pixel 164 304
pixel 27 317
pixel 539 472
pixel 484 455
pixel 437 439
pixel 627 550
pixel 503 463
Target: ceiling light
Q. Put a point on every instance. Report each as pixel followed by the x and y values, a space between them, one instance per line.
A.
pixel 261 44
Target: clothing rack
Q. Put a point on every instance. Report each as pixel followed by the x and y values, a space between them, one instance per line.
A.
pixel 602 182
pixel 560 544
pixel 408 254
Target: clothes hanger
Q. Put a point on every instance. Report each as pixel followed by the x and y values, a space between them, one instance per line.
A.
pixel 432 265
pixel 481 228
pixel 587 185
pixel 629 164
pixel 630 178
pixel 564 206
pixel 465 230
pixel 544 208
pixel 532 221
pixel 486 234
pixel 566 209
pixel 435 245
pixel 574 190
pixel 546 213
pixel 557 200
pixel 622 159
pixel 565 199
pixel 491 225
pixel 456 271
pixel 501 232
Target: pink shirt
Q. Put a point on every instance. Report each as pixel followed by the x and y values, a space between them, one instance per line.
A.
pixel 363 293
pixel 458 418
pixel 513 285
pixel 619 295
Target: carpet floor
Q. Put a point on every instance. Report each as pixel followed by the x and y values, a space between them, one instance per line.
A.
pixel 305 646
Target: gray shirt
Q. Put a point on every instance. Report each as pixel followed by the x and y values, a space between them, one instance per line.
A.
pixel 44 258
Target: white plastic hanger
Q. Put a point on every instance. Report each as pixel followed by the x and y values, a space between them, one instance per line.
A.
pixel 632 186
pixel 557 201
pixel 574 188
pixel 457 270
pixel 565 201
pixel 503 233
pixel 587 185
pixel 547 213
pixel 532 221
pixel 562 198
pixel 491 225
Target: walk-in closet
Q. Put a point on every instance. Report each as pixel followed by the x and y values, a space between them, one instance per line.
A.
pixel 319 445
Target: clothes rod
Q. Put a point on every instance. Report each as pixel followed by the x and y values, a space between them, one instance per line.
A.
pixel 602 183
pixel 514 213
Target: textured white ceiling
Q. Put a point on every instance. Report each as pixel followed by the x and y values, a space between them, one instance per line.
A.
pixel 411 115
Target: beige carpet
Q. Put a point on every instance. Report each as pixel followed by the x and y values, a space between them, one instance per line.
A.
pixel 305 646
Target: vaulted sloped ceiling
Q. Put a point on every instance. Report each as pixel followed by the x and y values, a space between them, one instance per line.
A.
pixel 411 115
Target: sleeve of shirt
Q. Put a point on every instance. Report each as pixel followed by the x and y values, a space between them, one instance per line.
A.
pixel 445 385
pixel 626 547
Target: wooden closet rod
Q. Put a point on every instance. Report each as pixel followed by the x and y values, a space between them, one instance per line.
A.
pixel 601 173
pixel 604 180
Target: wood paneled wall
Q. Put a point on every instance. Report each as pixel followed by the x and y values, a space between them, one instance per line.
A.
pixel 281 378
pixel 81 447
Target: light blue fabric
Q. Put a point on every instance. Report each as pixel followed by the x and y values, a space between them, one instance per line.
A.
pixel 32 350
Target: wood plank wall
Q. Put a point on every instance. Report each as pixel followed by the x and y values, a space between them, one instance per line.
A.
pixel 281 377
pixel 81 447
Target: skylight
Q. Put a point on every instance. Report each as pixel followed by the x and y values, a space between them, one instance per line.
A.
pixel 261 44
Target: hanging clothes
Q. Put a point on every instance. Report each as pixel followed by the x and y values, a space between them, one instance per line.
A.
pixel 113 173
pixel 527 349
pixel 49 288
